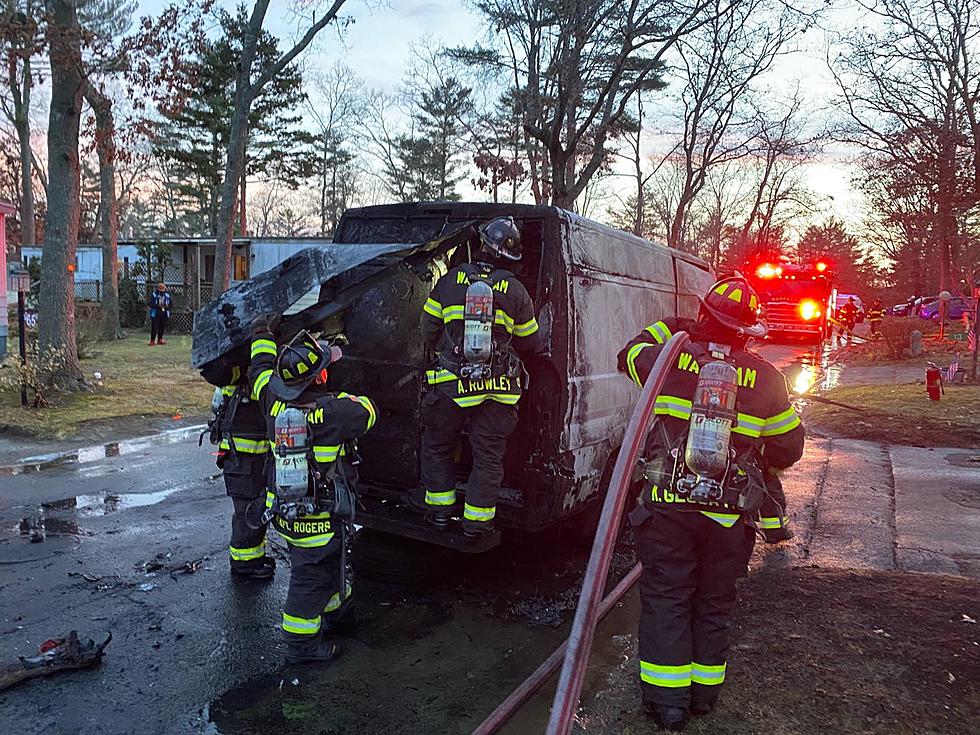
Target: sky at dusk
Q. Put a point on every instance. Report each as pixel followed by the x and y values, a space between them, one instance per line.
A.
pixel 377 45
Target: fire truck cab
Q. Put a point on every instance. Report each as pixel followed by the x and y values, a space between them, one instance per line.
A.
pixel 797 299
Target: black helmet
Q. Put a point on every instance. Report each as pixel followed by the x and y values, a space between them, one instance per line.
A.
pixel 300 362
pixel 734 304
pixel 501 237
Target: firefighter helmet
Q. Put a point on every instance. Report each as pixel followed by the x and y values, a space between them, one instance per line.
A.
pixel 300 362
pixel 734 304
pixel 502 237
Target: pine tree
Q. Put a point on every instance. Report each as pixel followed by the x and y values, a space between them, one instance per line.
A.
pixel 195 138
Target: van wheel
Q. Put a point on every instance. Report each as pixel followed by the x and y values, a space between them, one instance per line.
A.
pixel 390 559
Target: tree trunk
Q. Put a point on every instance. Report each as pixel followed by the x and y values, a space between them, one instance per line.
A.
pixel 105 145
pixel 323 187
pixel 23 124
pixel 56 301
pixel 242 207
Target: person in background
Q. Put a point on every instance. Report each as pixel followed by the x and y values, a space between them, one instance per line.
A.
pixel 159 306
pixel 875 314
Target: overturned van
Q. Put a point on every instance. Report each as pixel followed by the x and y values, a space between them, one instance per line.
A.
pixel 593 287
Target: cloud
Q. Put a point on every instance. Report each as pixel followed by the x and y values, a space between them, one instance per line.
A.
pixel 423 10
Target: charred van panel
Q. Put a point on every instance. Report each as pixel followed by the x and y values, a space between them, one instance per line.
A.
pixel 594 286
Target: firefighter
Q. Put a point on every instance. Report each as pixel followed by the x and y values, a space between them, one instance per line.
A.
pixel 292 381
pixel 239 430
pixel 692 549
pixel 847 315
pixel 478 383
pixel 875 314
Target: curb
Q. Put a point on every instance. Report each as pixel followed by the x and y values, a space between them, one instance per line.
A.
pixel 96 452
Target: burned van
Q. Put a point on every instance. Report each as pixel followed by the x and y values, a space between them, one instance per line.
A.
pixel 593 288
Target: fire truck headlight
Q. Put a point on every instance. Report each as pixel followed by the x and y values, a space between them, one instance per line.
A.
pixel 765 271
pixel 809 310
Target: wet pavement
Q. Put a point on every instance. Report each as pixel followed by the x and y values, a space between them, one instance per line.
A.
pixel 137 545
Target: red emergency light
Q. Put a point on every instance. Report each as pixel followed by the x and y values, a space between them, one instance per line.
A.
pixel 821 266
pixel 767 270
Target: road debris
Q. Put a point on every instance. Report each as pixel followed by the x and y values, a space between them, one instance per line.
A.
pixel 54 656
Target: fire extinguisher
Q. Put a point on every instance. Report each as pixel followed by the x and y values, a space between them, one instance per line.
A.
pixel 934 382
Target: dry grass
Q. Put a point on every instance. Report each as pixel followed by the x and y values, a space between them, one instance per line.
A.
pixel 901 414
pixel 139 381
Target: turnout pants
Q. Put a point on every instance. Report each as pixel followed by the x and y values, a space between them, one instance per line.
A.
pixel 687 591
pixel 319 590
pixel 244 482
pixel 491 423
pixel 158 326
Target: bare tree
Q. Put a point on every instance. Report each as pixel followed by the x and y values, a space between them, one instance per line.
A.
pixel 20 41
pixel 57 296
pixel 247 88
pixel 721 62
pixel 910 92
pixel 574 68
pixel 337 106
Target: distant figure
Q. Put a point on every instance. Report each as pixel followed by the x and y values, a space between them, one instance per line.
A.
pixel 847 316
pixel 875 314
pixel 159 306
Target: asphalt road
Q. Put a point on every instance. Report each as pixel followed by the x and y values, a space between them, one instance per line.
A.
pixel 197 652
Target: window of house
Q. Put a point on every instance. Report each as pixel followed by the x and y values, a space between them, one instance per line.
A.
pixel 241 268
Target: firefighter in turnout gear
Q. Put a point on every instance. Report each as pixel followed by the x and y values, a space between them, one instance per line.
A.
pixel 875 314
pixel 477 318
pixel 239 430
pixel 312 483
pixel 723 420
pixel 847 315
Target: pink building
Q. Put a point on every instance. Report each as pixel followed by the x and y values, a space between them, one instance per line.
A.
pixel 6 209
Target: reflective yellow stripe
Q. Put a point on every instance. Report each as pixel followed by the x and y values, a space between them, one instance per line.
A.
pixel 248 446
pixel 631 356
pixel 452 313
pixel 263 347
pixel 434 377
pixel 770 522
pixel 446 498
pixel 260 383
pixel 726 519
pixel 672 406
pixel 326 453
pixel 504 319
pixel 526 329
pixel 670 677
pixel 334 603
pixel 708 674
pixel 309 542
pixel 476 513
pixel 300 626
pixel 781 422
pixel 433 308
pixel 228 390
pixel 256 552
pixel 270 499
pixel 475 400
pixel 366 402
pixel 748 425
pixel 659 332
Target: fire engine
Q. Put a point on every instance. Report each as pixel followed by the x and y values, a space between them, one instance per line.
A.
pixel 797 299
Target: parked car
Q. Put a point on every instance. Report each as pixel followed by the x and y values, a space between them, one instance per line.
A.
pixel 955 309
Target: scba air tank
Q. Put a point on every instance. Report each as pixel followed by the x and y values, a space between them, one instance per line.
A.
pixel 712 414
pixel 291 450
pixel 478 324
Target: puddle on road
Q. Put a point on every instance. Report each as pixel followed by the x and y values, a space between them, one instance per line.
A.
pixel 813 371
pixel 106 503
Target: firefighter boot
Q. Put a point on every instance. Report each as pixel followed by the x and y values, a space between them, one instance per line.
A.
pixel 317 651
pixel 263 570
pixel 436 516
pixel 666 717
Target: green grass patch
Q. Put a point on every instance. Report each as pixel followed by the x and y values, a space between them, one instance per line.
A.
pixel 901 414
pixel 138 381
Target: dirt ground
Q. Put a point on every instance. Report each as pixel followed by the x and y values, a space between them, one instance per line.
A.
pixel 901 414
pixel 821 652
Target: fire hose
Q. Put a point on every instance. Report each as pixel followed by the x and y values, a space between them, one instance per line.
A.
pixel 591 607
